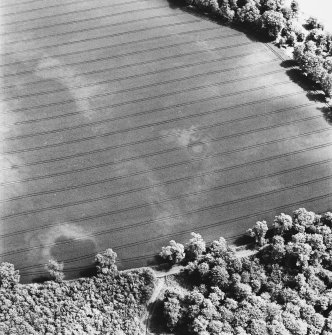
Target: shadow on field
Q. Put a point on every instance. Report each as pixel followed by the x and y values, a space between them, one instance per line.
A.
pixel 155 260
pixel 294 73
pixel 41 279
pixel 252 35
pixel 288 63
pixel 174 4
pixel 313 91
pixel 243 240
pixel 296 76
pixel 327 113
pixel 89 271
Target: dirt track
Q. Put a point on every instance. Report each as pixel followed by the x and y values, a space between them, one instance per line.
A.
pixel 127 124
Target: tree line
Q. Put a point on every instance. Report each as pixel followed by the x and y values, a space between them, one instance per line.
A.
pixel 109 303
pixel 284 289
pixel 278 21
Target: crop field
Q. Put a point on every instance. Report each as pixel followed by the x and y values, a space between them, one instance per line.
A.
pixel 126 124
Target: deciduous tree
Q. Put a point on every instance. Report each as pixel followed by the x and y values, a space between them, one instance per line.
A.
pixel 55 270
pixel 9 277
pixel 258 231
pixel 106 263
pixel 173 253
pixel 273 22
pixel 282 223
pixel 196 247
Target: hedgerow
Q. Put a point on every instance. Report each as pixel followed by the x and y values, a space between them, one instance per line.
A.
pixel 270 16
pixel 109 303
pixel 313 45
pixel 284 289
pixel 314 57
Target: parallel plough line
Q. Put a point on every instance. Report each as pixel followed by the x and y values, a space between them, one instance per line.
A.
pixel 112 162
pixel 168 182
pixel 101 36
pixel 125 145
pixel 221 170
pixel 47 118
pixel 214 97
pixel 112 46
pixel 217 171
pixel 138 88
pixel 106 69
pixel 197 210
pixel 107 81
pixel 13 4
pixel 108 120
pixel 131 77
pixel 188 162
pixel 18 73
pixel 212 140
pixel 70 12
pixel 116 24
pixel 181 233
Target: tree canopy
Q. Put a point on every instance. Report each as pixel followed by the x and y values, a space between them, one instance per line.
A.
pixel 284 289
pixel 109 303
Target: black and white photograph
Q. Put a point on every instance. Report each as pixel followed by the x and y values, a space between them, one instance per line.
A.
pixel 166 167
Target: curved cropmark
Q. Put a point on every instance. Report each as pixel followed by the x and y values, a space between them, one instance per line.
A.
pixel 71 233
pixel 51 68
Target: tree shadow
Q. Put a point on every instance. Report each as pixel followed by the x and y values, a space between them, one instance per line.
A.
pixel 157 324
pixel 312 89
pixel 155 260
pixel 296 76
pixel 90 271
pixel 174 4
pixel 243 240
pixel 288 63
pixel 327 114
pixel 158 263
pixel 41 279
pixel 251 34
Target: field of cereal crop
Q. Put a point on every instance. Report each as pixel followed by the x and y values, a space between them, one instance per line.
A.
pixel 125 124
